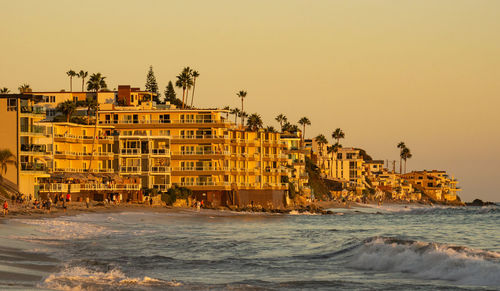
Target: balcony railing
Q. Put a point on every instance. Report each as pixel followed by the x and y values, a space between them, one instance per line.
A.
pixel 166 121
pixel 34 167
pixel 109 187
pixel 160 151
pixel 130 151
pixel 60 187
pixel 34 129
pixel 200 152
pixel 209 183
pixel 33 148
pixel 208 136
pixel 200 169
pixel 33 110
pixel 133 169
pixel 159 169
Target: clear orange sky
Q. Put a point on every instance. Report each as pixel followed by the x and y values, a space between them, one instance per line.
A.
pixel 423 72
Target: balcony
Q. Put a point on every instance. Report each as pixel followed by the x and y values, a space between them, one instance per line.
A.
pixel 34 167
pixel 33 110
pixel 77 170
pixel 33 130
pixel 130 151
pixel 199 169
pixel 159 169
pixel 198 138
pixel 110 187
pixel 132 169
pixel 205 185
pixel 60 188
pixel 160 152
pixel 33 149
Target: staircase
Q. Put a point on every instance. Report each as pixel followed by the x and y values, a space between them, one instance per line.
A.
pixel 7 189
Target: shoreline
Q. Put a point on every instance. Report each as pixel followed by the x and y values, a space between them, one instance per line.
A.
pixel 76 208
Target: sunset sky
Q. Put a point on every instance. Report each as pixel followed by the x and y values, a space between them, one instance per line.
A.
pixel 423 72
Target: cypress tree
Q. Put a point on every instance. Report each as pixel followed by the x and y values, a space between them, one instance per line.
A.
pixel 170 95
pixel 152 85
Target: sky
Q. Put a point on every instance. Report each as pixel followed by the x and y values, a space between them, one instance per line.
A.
pixel 423 72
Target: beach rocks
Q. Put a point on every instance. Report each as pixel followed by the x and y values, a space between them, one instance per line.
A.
pixel 479 202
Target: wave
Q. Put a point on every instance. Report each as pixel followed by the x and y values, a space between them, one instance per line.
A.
pixel 428 261
pixel 422 209
pixel 81 278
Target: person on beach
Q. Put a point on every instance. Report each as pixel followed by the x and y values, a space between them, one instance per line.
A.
pixel 5 208
pixel 64 205
pixel 87 201
pixel 68 198
pixel 49 202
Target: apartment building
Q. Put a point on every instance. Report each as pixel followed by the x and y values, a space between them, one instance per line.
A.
pixel 296 154
pixel 436 184
pixel 26 138
pixel 81 148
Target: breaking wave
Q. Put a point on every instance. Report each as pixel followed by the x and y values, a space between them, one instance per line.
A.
pixel 428 261
pixel 81 278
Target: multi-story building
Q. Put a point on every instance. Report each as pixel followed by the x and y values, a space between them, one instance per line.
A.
pixel 81 148
pixel 25 137
pixel 296 155
pixel 435 184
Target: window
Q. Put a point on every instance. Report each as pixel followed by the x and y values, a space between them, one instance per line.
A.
pixel 75 98
pixel 11 104
pixel 339 156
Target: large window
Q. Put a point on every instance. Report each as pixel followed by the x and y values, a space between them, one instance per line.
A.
pixel 11 104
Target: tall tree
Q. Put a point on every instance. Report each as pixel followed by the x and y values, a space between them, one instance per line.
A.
pixel 91 105
pixel 236 112
pixel 71 74
pixel 281 119
pixel 152 85
pixel 243 115
pixel 405 155
pixel 270 129
pixel 4 90
pixel 401 146
pixel 6 158
pixel 82 74
pixel 170 95
pixel 67 108
pixel 304 121
pixel 195 75
pixel 24 88
pixel 242 94
pixel 321 140
pixel 338 134
pixel 96 82
pixel 254 122
pixel 185 82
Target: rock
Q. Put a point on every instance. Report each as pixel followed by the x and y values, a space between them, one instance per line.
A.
pixel 479 202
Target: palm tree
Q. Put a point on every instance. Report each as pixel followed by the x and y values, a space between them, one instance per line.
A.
pixel 270 129
pixel 6 158
pixel 332 150
pixel 195 75
pixel 96 82
pixel 4 90
pixel 67 108
pixel 24 88
pixel 185 82
pixel 338 134
pixel 281 119
pixel 91 104
pixel 83 75
pixel 254 122
pixel 236 112
pixel 304 121
pixel 243 115
pixel 321 140
pixel 401 146
pixel 71 74
pixel 242 94
pixel 406 154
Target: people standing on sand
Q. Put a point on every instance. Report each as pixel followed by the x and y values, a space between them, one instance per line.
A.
pixel 49 202
pixel 64 205
pixel 87 201
pixel 198 206
pixel 68 198
pixel 151 201
pixel 120 198
pixel 5 208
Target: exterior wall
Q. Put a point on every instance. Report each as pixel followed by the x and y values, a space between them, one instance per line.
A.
pixel 263 198
pixel 9 133
pixel 72 148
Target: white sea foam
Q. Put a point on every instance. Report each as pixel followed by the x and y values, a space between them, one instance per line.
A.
pixel 429 261
pixel 80 278
pixel 295 212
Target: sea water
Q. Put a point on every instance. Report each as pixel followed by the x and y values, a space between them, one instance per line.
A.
pixel 380 248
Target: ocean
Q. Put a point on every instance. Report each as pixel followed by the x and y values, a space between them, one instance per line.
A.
pixel 379 248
